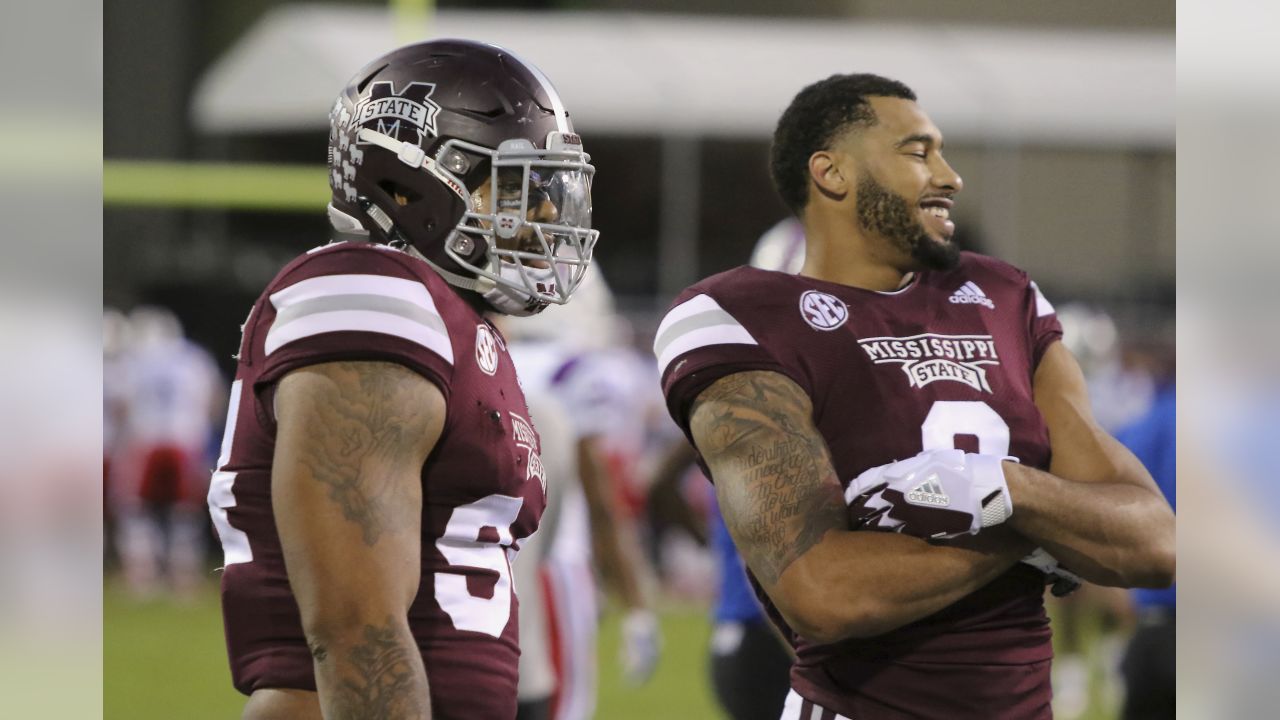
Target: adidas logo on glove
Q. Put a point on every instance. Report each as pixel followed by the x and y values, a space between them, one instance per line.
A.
pixel 929 492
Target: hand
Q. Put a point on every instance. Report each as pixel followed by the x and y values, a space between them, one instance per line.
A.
pixel 1063 580
pixel 641 645
pixel 936 494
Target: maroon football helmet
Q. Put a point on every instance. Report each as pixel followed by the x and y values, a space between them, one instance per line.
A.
pixel 462 153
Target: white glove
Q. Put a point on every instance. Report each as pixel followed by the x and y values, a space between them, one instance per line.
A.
pixel 1063 580
pixel 641 645
pixel 936 494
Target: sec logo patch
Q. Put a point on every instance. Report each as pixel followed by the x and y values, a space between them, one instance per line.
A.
pixel 823 311
pixel 486 350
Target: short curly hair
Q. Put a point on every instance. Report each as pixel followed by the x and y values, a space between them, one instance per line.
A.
pixel 816 116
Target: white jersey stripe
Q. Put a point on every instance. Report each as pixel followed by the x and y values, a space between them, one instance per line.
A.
pixel 693 306
pixel 793 706
pixel 1043 307
pixel 710 318
pixel 409 290
pixel 715 335
pixel 359 321
pixel 695 323
pixel 360 303
pixel 371 303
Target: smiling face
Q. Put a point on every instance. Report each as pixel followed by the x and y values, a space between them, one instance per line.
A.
pixel 904 186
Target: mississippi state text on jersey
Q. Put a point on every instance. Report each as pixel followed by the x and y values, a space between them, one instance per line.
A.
pixel 483 486
pixel 946 361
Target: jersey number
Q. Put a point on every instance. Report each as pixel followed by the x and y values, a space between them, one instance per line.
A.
pixel 949 418
pixel 235 543
pixel 462 545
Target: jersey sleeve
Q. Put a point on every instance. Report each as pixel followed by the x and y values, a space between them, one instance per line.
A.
pixel 1044 325
pixel 699 342
pixel 356 304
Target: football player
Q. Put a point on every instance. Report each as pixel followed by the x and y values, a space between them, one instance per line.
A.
pixel 167 394
pixel 801 391
pixel 565 359
pixel 379 468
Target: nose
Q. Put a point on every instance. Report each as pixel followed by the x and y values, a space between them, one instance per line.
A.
pixel 946 177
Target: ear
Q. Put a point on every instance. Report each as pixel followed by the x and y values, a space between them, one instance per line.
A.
pixel 826 173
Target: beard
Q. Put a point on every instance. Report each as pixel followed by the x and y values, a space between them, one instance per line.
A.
pixel 885 213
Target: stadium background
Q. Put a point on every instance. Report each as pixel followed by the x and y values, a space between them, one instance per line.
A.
pixel 1058 115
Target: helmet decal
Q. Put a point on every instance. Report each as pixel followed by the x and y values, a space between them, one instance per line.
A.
pixel 397 113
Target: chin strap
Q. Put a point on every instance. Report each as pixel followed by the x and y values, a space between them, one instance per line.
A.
pixel 397 240
pixel 473 284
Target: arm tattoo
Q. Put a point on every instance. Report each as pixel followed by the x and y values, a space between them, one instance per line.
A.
pixel 371 423
pixel 774 478
pixel 380 677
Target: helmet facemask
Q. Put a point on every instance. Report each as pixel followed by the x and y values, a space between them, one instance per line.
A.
pixel 531 216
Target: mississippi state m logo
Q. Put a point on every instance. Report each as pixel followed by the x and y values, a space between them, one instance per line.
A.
pixel 407 114
pixel 930 357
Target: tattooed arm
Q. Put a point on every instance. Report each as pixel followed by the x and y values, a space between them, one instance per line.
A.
pixel 346 488
pixel 783 505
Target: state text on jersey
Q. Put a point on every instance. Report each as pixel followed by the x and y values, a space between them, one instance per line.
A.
pixel 930 357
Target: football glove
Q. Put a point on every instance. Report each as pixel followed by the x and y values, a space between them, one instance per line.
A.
pixel 936 494
pixel 1064 581
pixel 641 645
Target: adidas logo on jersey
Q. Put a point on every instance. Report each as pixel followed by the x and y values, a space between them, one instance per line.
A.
pixel 929 492
pixel 971 294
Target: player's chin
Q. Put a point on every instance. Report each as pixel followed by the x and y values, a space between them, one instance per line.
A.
pixel 935 252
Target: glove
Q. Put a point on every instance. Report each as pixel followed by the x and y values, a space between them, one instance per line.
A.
pixel 641 645
pixel 1064 581
pixel 936 494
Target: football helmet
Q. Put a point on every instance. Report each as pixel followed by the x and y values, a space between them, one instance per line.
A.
pixel 463 154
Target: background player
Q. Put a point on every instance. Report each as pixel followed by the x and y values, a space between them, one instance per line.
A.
pixel 165 395
pixel 379 467
pixel 1149 665
pixel 888 343
pixel 566 357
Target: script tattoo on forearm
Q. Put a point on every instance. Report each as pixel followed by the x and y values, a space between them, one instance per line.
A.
pixel 378 678
pixel 361 430
pixel 773 472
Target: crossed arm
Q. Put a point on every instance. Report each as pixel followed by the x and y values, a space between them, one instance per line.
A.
pixel 1097 509
pixel 347 494
pixel 784 507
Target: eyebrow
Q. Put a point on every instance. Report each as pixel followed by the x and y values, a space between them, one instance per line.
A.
pixel 920 138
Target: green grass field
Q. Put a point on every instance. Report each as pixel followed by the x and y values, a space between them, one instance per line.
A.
pixel 166 660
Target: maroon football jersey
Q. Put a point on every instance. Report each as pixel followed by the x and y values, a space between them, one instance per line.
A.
pixel 482 486
pixel 946 361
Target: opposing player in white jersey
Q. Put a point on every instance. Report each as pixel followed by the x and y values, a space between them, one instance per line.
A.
pixel 563 357
pixel 165 392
